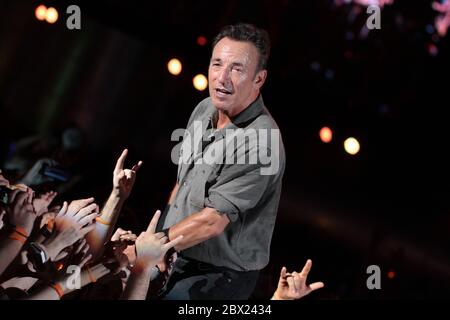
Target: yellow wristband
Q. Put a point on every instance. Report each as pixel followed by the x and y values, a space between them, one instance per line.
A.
pixel 99 220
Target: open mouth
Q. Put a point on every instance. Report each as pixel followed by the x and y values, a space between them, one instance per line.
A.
pixel 222 91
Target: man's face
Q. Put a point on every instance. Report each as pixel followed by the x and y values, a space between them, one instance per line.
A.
pixel 233 84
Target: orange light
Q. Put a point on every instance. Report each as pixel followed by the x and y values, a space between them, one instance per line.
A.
pixel 174 66
pixel 51 15
pixel 200 82
pixel 201 40
pixel 40 12
pixel 391 274
pixel 326 135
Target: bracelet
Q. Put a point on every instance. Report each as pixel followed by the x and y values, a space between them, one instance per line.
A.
pixel 91 277
pixel 21 231
pixel 18 237
pixel 99 220
pixel 58 288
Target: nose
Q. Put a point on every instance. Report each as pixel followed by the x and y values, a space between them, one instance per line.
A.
pixel 224 76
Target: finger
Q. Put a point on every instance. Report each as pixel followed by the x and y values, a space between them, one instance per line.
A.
pixel 172 243
pixel 63 210
pixel 300 282
pixel 306 268
pixel 117 234
pixel 291 284
pixel 163 240
pixel 29 208
pixel 136 167
pixel 22 198
pixel 128 237
pixel 283 273
pixel 80 246
pixel 159 235
pixel 85 230
pixel 316 285
pixel 152 225
pixel 86 211
pixel 77 205
pixel 121 161
pixel 13 195
pixel 85 249
pixel 61 255
pixel 87 219
pixel 52 196
pixel 85 260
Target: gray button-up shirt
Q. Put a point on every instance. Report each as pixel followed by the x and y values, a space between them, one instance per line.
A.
pixel 238 171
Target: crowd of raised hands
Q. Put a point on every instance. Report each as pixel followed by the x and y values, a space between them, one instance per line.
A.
pixel 50 251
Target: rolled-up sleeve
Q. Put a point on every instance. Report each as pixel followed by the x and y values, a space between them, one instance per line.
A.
pixel 237 190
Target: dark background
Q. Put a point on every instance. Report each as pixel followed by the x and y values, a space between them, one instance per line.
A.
pixel 388 205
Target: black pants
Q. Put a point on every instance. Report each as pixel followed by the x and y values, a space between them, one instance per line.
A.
pixel 194 280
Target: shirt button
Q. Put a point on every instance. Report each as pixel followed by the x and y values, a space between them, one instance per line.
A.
pixel 185 183
pixel 176 207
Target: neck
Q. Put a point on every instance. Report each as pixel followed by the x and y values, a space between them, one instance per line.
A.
pixel 225 117
pixel 222 120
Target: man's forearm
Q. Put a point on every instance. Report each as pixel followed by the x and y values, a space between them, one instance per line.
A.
pixel 105 224
pixel 198 227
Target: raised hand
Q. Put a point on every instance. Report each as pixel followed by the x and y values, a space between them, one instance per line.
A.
pixel 293 285
pixel 21 212
pixel 123 236
pixel 151 247
pixel 78 214
pixel 64 238
pixel 123 179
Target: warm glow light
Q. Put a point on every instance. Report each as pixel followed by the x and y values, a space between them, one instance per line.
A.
pixel 391 274
pixel 200 82
pixel 326 134
pixel 174 66
pixel 51 15
pixel 40 12
pixel 351 145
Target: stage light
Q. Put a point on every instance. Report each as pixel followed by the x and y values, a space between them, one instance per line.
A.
pixel 351 146
pixel 201 40
pixel 326 135
pixel 51 15
pixel 391 274
pixel 40 12
pixel 174 66
pixel 200 82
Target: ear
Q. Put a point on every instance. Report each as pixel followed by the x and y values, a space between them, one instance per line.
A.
pixel 260 78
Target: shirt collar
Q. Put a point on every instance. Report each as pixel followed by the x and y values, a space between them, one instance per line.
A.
pixel 245 116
